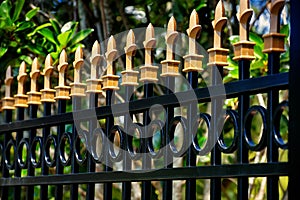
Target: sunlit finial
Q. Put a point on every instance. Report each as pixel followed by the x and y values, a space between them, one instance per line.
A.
pixel 62 91
pixel 77 64
pixel 130 49
pixel 110 54
pixel 244 15
pixel 8 82
pixel 218 23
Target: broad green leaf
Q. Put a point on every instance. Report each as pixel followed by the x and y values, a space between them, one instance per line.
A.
pixel 258 40
pixel 27 59
pixel 35 49
pixel 3 50
pixel 38 28
pixel 259 64
pixel 55 25
pixel 18 9
pixel 285 57
pixel 234 38
pixel 48 34
pixel 55 56
pixel 201 5
pixel 258 52
pixel 285 29
pixel 5 19
pixel 30 14
pixel 81 35
pixel 24 25
pixel 68 26
pixel 13 44
pixel 63 38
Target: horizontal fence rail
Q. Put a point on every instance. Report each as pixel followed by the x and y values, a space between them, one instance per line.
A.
pixel 83 138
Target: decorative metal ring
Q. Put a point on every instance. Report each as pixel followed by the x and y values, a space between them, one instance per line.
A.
pixel 247 128
pixel 33 160
pixel 230 114
pixel 80 158
pixel 195 144
pixel 172 127
pixel 153 153
pixel 116 157
pixel 98 132
pixel 276 125
pixel 51 139
pixel 11 143
pixel 65 137
pixel 23 164
pixel 135 155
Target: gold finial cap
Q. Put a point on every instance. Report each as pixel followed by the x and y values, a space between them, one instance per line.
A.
pixel 34 97
pixel 78 88
pixel 129 76
pixel 274 41
pixel 193 61
pixel 170 66
pixel 48 94
pixel 217 54
pixel 148 71
pixel 62 91
pixel 20 97
pixel 8 101
pixel 110 81
pixel 94 84
pixel 244 49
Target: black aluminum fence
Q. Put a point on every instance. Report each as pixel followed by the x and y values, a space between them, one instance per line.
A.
pixel 68 151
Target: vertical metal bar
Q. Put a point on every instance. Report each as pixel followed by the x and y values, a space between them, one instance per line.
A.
pixel 60 131
pixel 93 102
pixel 242 152
pixel 215 183
pixel 44 167
pixel 126 186
pixel 76 105
pixel 107 192
pixel 190 190
pixel 272 150
pixel 168 185
pixel 7 137
pixel 19 135
pixel 146 160
pixel 30 171
pixel 294 99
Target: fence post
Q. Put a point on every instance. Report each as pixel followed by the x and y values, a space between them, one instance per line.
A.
pixel 47 99
pixel 77 92
pixel 274 46
pixel 62 95
pixel 217 60
pixel 8 107
pixel 169 72
pixel 129 80
pixel 93 89
pixel 192 65
pixel 110 83
pixel 243 53
pixel 34 98
pixel 294 106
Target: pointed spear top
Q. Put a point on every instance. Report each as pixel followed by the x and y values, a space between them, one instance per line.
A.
pixel 48 63
pixel 22 70
pixel 78 54
pixel 130 43
pixel 244 5
pixel 130 38
pixel 95 48
pixel 171 25
pixel 149 32
pixel 276 8
pixel 63 57
pixel 220 10
pixel 9 76
pixel 35 66
pixel 194 27
pixel 111 44
pixel 150 40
